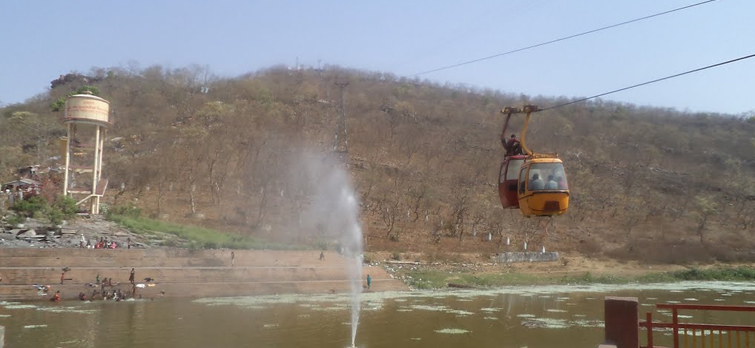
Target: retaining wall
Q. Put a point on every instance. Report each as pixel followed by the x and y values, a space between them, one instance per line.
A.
pixel 509 257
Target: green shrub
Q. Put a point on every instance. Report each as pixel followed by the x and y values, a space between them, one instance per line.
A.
pixel 67 206
pixel 38 207
pixel 54 216
pixel 64 208
pixel 60 103
pixel 727 274
pixel 30 207
pixel 15 219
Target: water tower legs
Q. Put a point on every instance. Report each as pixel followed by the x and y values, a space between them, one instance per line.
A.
pixel 87 118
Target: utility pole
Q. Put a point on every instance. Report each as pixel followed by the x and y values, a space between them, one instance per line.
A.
pixel 341 123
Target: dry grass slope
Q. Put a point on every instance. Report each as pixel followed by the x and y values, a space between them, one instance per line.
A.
pixel 648 184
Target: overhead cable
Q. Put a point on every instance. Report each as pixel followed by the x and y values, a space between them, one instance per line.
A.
pixel 649 82
pixel 561 39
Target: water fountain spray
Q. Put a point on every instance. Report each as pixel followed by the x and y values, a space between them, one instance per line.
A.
pixel 336 210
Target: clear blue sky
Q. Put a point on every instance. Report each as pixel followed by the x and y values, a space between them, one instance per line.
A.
pixel 40 40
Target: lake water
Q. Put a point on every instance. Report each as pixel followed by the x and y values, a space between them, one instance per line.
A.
pixel 547 316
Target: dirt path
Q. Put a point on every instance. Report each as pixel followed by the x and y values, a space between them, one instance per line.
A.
pixel 568 264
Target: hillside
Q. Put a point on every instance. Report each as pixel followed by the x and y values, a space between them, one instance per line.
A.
pixel 647 184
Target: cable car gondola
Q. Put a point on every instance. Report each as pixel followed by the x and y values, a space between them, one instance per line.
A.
pixel 533 182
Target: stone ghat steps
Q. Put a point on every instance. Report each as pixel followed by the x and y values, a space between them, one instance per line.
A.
pixel 191 290
pixel 75 257
pixel 181 273
pixel 50 276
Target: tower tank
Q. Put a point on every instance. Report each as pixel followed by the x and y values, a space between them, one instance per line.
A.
pixel 87 108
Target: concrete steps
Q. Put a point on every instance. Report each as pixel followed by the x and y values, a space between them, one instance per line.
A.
pixel 21 276
pixel 180 272
pixel 159 258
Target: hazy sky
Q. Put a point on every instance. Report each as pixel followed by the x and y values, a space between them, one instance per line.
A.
pixel 40 40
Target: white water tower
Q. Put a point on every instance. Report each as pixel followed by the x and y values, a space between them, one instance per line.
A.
pixel 87 119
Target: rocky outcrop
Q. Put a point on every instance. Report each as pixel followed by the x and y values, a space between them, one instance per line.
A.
pixel 73 77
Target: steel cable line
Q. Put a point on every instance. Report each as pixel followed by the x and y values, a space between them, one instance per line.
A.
pixel 561 39
pixel 651 81
pixel 468 27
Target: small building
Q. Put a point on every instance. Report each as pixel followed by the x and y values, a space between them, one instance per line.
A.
pixel 24 185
